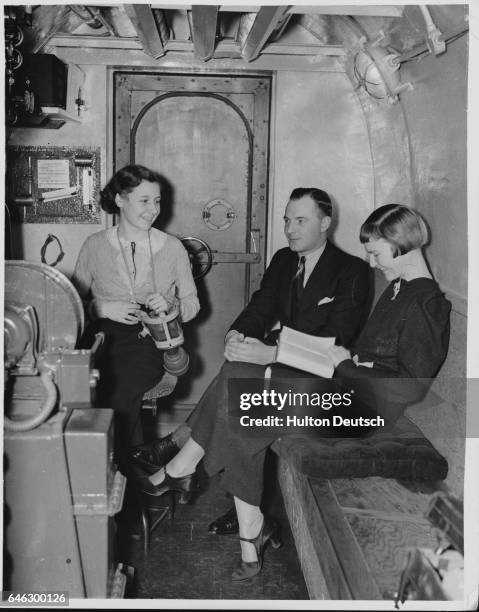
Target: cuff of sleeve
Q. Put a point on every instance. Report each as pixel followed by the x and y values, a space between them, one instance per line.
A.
pixel 189 308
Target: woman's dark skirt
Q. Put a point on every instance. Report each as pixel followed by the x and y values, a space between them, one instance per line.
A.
pixel 129 366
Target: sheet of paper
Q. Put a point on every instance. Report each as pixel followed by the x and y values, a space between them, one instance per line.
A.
pixel 305 352
pixel 304 360
pixel 53 173
pixel 314 343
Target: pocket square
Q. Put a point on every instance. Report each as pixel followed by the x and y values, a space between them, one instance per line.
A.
pixel 325 300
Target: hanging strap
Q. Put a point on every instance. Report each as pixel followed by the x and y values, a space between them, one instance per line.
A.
pixel 152 259
pixel 130 280
pixel 152 262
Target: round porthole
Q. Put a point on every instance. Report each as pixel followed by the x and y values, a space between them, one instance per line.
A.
pixel 218 215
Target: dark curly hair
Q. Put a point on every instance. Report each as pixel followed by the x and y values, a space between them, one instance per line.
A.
pixel 124 181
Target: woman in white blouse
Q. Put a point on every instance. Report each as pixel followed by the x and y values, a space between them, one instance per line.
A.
pixel 120 271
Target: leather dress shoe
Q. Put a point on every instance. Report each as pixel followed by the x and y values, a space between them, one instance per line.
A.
pixel 227 524
pixel 184 485
pixel 152 456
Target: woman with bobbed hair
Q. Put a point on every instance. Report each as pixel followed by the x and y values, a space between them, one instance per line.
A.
pixel 407 335
pixel 402 227
pixel 405 339
pixel 119 271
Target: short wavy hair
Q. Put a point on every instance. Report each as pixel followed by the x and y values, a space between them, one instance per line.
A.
pixel 124 181
pixel 319 196
pixel 401 226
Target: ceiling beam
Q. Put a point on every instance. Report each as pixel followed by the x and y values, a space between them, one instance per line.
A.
pixel 204 21
pixel 143 20
pixel 373 10
pixel 96 42
pixel 223 47
pixel 280 28
pixel 137 61
pixel 303 49
pixel 263 24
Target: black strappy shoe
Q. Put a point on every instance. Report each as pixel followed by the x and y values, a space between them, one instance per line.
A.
pixel 268 533
pixel 184 485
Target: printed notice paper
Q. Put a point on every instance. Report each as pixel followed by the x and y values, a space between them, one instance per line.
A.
pixel 53 174
pixel 305 352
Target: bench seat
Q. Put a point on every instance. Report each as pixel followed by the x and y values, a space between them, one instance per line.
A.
pixel 355 507
pixel 400 452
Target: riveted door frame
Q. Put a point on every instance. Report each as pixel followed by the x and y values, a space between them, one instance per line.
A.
pixel 124 80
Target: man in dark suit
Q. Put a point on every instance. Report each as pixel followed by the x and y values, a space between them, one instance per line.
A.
pixel 334 295
pixel 310 286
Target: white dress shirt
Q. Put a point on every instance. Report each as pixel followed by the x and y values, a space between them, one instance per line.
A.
pixel 311 259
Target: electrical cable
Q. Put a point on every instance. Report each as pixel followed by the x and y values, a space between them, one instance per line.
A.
pixel 418 52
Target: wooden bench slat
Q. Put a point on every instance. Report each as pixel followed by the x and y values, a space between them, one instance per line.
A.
pixel 376 493
pixel 353 565
pixel 332 562
pixel 386 516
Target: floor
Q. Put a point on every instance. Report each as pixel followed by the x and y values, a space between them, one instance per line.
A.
pixel 186 562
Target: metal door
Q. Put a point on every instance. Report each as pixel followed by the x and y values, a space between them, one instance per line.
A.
pixel 208 136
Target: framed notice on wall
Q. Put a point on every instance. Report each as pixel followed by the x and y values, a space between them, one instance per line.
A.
pixel 53 184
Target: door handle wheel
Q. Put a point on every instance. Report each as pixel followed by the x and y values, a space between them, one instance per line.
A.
pixel 202 257
pixel 200 254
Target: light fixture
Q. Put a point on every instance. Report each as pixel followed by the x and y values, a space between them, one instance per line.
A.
pixel 376 70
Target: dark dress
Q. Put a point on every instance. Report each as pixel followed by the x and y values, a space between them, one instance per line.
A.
pixel 406 338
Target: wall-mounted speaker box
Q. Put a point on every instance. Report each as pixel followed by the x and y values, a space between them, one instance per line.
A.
pixel 48 76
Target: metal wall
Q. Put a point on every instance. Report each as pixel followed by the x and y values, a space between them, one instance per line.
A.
pixel 435 113
pixel 321 140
